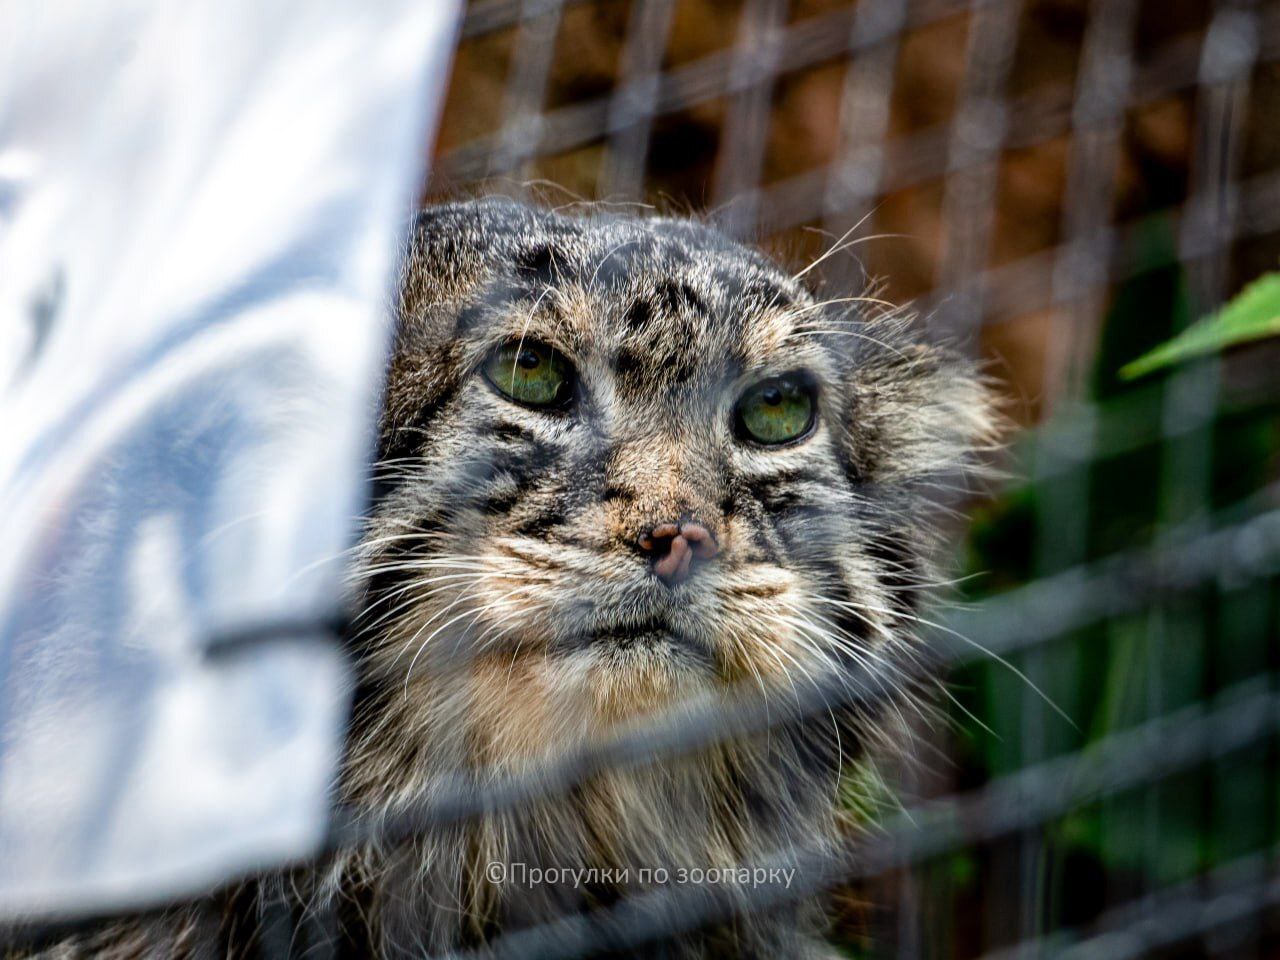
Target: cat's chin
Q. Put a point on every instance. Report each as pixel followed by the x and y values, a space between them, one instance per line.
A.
pixel 529 706
pixel 625 679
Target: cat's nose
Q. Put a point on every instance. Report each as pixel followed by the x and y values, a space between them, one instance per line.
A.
pixel 675 546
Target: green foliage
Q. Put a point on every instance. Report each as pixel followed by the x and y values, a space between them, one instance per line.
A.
pixel 1113 479
pixel 1133 490
pixel 1252 315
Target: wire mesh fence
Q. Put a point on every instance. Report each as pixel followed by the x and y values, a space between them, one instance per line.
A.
pixel 1058 186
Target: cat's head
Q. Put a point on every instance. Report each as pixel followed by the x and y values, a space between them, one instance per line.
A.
pixel 626 459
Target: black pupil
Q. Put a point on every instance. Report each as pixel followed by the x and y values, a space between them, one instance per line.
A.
pixel 771 395
pixel 528 359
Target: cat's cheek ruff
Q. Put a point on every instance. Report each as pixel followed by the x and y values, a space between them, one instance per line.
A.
pixel 714 640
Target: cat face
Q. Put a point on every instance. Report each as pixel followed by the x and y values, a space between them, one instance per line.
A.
pixel 628 460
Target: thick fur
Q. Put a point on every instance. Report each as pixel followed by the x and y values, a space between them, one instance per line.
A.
pixel 507 613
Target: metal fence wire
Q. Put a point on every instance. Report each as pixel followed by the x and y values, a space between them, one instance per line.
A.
pixel 1057 185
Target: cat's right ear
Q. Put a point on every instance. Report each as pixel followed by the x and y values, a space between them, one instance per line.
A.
pixel 456 247
pixel 439 260
pixel 441 268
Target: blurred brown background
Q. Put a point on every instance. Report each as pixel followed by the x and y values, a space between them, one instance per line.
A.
pixel 590 51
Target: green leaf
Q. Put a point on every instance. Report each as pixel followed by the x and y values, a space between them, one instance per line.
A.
pixel 1253 314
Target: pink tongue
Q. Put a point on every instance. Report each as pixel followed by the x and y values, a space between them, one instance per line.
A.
pixel 676 563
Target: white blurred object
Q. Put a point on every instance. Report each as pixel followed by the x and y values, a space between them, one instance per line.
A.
pixel 200 204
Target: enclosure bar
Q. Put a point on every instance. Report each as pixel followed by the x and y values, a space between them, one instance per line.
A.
pixel 634 101
pixel 1122 761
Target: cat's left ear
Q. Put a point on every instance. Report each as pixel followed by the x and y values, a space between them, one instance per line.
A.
pixel 915 412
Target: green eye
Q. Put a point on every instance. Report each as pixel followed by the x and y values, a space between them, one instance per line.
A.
pixel 776 410
pixel 531 373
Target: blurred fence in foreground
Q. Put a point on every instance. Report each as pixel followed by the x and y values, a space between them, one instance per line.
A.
pixel 1059 185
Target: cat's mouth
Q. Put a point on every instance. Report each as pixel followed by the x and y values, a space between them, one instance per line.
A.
pixel 649 644
pixel 636 667
pixel 653 630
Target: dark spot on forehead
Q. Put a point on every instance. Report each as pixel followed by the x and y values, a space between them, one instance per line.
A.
pixel 494 298
pixel 679 366
pixel 676 296
pixel 759 291
pixel 626 361
pixel 770 294
pixel 654 366
pixel 469 317
pixel 639 314
pixel 610 270
pixel 539 264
